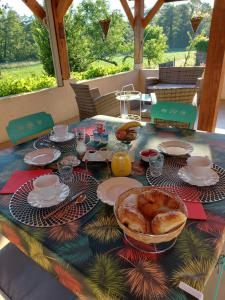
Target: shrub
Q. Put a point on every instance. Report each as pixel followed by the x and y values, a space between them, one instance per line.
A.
pixel 9 85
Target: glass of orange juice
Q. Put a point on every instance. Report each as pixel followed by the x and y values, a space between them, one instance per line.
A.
pixel 121 164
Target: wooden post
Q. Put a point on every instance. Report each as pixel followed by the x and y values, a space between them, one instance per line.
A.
pixel 61 40
pixel 215 70
pixel 138 33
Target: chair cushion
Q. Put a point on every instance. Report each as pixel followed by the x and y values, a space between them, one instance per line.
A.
pixel 22 279
pixel 161 86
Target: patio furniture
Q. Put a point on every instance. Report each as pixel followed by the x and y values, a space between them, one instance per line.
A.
pixel 178 84
pixel 91 256
pixel 91 103
pixel 21 128
pixel 173 114
pixel 22 278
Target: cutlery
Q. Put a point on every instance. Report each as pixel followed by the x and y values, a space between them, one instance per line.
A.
pixel 81 197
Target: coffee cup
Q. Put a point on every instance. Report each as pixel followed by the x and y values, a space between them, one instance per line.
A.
pixel 199 166
pixel 46 185
pixel 60 131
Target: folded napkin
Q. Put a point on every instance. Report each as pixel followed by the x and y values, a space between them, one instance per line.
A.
pixel 20 177
pixel 190 196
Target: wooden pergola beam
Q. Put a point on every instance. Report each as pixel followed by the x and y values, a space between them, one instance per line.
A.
pixel 62 8
pixel 36 8
pixel 214 71
pixel 61 40
pixel 128 12
pixel 152 13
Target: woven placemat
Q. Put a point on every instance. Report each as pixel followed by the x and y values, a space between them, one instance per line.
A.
pixel 169 178
pixel 23 212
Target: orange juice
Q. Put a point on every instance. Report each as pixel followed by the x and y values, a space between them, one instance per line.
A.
pixel 121 164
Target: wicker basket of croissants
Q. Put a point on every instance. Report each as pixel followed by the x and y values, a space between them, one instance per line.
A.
pixel 150 214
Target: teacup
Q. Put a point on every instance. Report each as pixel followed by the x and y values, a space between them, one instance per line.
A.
pixel 60 131
pixel 199 166
pixel 46 185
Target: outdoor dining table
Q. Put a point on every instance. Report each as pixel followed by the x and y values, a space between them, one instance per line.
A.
pixel 91 257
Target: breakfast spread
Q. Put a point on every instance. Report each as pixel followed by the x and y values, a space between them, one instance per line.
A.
pixel 154 212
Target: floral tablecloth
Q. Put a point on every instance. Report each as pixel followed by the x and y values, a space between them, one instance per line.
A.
pixel 91 256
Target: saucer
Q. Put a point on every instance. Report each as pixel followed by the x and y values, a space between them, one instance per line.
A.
pixel 175 148
pixel 211 179
pixel 54 138
pixel 70 160
pixel 109 190
pixel 42 157
pixel 60 194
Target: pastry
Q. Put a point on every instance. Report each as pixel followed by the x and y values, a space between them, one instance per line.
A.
pixel 165 222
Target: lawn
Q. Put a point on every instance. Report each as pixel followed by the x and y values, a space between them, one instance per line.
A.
pixel 29 69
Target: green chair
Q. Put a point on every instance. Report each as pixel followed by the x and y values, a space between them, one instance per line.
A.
pixel 169 113
pixel 21 128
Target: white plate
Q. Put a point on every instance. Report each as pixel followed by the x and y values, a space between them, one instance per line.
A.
pixel 175 148
pixel 66 138
pixel 211 177
pixel 59 194
pixel 42 157
pixel 109 190
pixel 71 160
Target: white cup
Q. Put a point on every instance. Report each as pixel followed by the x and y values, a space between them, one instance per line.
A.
pixel 46 185
pixel 199 166
pixel 60 131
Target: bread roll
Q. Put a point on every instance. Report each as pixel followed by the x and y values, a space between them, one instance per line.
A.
pixel 165 222
pixel 130 216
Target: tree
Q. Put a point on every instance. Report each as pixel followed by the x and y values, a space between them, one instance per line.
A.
pixel 155 44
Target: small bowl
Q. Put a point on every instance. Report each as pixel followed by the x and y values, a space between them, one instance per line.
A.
pixel 45 185
pixel 148 238
pixel 146 153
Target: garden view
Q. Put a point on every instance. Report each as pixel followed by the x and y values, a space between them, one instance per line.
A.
pixel 25 54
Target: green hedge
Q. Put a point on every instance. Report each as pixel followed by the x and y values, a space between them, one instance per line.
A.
pixel 10 85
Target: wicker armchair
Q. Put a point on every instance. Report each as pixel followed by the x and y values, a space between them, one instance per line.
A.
pixel 178 84
pixel 91 103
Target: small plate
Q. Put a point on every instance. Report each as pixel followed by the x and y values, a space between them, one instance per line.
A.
pixel 211 179
pixel 42 157
pixel 109 190
pixel 60 194
pixel 66 138
pixel 175 148
pixel 71 160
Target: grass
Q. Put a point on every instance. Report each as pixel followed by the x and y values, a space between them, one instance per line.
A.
pixel 29 69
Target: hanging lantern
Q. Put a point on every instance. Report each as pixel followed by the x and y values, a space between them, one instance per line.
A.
pixel 105 27
pixel 195 22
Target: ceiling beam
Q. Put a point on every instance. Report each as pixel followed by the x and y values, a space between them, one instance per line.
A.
pixel 62 8
pixel 147 19
pixel 36 8
pixel 214 71
pixel 128 12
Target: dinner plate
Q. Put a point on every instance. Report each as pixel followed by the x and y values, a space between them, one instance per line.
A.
pixel 175 148
pixel 42 157
pixel 60 193
pixel 211 177
pixel 65 138
pixel 109 190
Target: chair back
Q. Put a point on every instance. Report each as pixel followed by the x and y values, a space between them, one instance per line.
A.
pixel 181 113
pixel 24 127
pixel 84 100
pixel 180 75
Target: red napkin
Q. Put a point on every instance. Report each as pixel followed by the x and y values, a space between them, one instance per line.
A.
pixel 195 209
pixel 20 177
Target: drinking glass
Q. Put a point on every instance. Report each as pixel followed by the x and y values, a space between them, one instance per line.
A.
pixel 156 165
pixel 121 164
pixel 65 171
pixel 80 134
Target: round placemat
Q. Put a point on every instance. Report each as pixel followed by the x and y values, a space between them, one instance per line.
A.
pixel 170 179
pixel 23 212
pixel 68 146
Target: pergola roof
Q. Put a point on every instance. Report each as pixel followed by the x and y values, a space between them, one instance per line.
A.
pixel 214 75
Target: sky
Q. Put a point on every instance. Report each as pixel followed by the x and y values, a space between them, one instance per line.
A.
pixel 22 9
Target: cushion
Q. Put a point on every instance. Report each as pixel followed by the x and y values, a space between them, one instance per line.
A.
pixel 22 279
pixel 171 86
